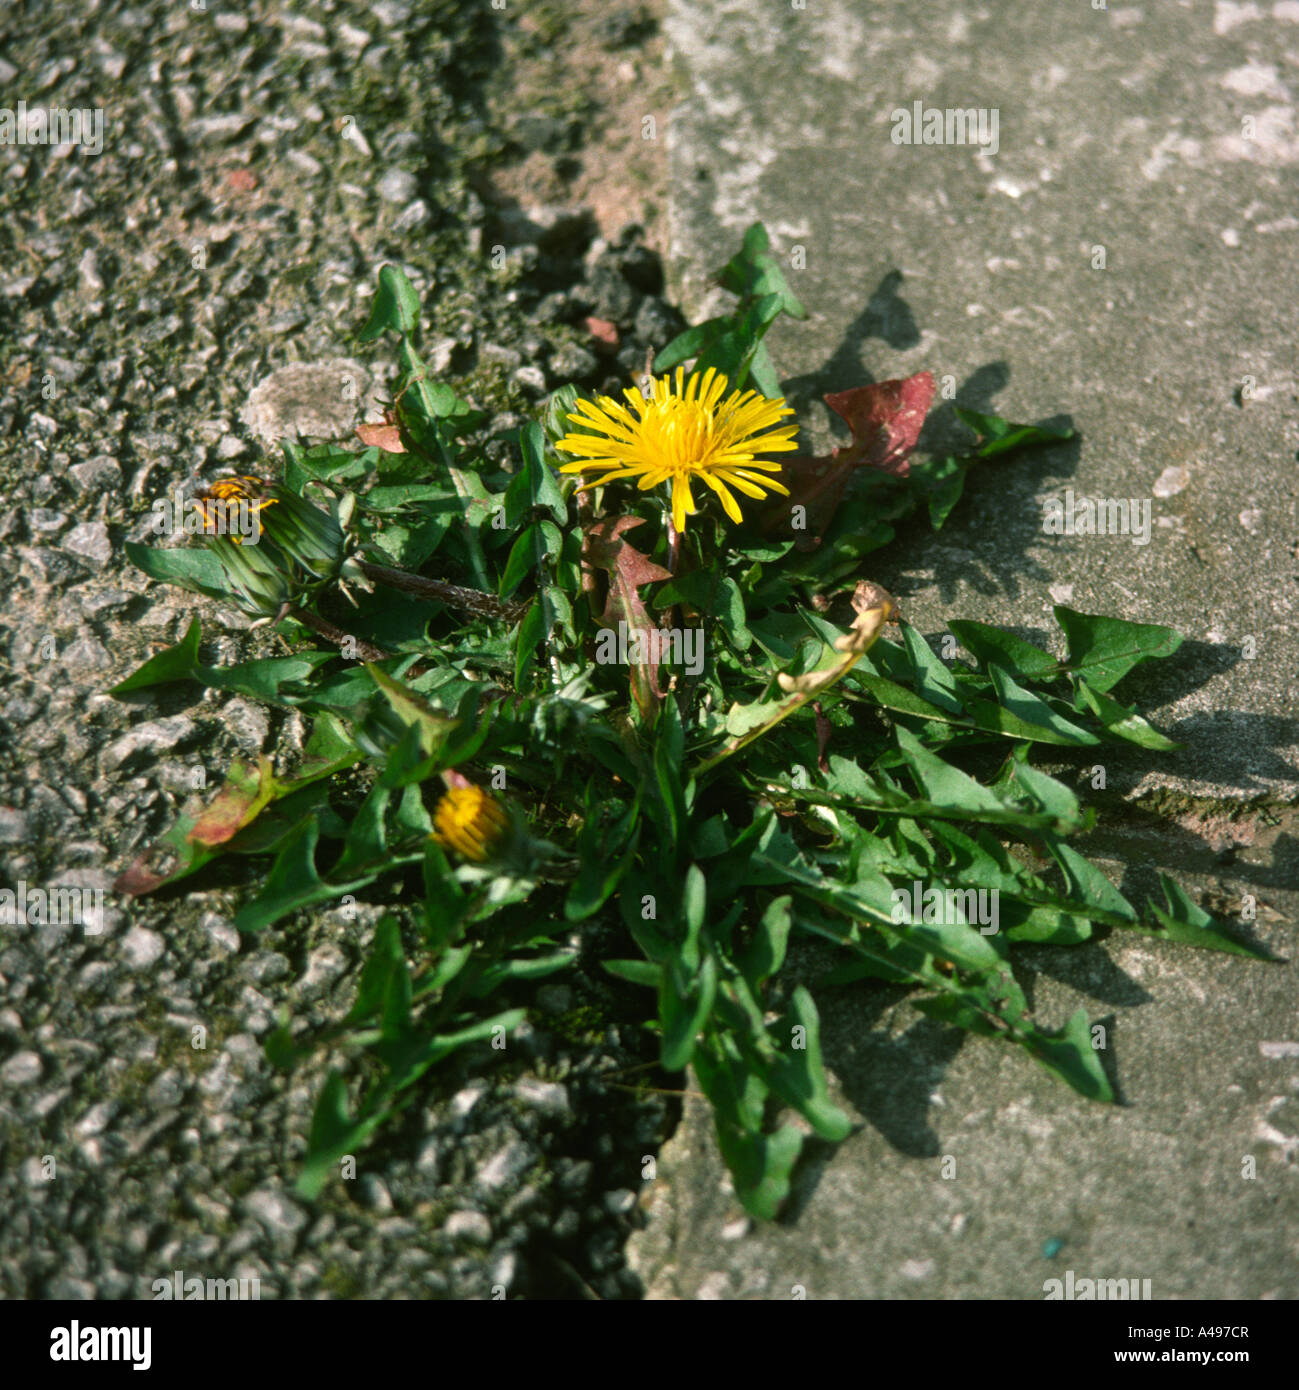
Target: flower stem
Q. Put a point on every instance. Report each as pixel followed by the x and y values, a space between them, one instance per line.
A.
pixel 366 651
pixel 439 591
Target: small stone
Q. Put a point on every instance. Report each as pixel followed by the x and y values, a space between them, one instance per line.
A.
pixel 503 1270
pixel 46 523
pixel 494 352
pixel 469 1225
pixel 99 474
pixel 218 126
pixel 398 186
pixel 142 948
pixel 547 133
pixel 1171 481
pixel 220 932
pixel 21 1069
pixel 313 399
pixel 643 269
pixel 572 363
pixel 167 1090
pixel 248 723
pixel 96 1120
pixel 157 736
pixel 265 967
pixel 413 216
pixel 532 379
pixel 612 296
pixel 657 323
pixel 548 1097
pixel 439 354
pixel 504 1167
pixel 324 965
pixel 86 654
pixel 90 542
pixel 464 1101
pixel 14 829
pixel 275 1211
pixel 374 1193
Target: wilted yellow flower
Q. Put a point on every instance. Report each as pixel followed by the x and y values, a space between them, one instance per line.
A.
pixel 217 500
pixel 470 821
pixel 685 431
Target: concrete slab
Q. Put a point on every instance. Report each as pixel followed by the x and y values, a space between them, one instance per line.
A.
pixel 1125 261
pixel 1173 355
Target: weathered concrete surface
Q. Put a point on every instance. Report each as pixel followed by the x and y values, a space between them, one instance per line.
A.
pixel 1119 129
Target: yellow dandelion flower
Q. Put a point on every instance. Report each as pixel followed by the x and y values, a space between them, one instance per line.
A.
pixel 684 431
pixel 470 821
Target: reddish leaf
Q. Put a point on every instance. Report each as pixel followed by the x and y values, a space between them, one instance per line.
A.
pixel 604 549
pixel 242 180
pixel 384 434
pixel 237 803
pixel 885 419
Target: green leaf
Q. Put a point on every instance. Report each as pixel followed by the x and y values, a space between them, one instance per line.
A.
pixel 765 953
pixel 1053 797
pixel 798 1074
pixel 637 972
pixel 900 698
pixel 999 436
pixel 941 783
pixel 536 484
pixel 603 863
pixel 333 1134
pixel 694 904
pixel 693 342
pixel 934 681
pixel 1086 883
pixel 174 664
pixel 200 571
pixel 1032 709
pixel 1071 1056
pixel 1188 923
pixel 293 882
pixel 940 482
pixel 539 544
pixel 396 306
pixel 533 630
pixel 1106 649
pixel 683 1011
pixel 729 608
pixel 754 273
pixel 262 678
pixel 521 968
pixel 761 1166
pixel 1123 720
pixel 387 955
pixel 993 644
pixel 414 710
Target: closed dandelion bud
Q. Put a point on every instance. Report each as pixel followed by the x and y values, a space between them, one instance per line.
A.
pixel 472 822
pixel 257 582
pixel 312 538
